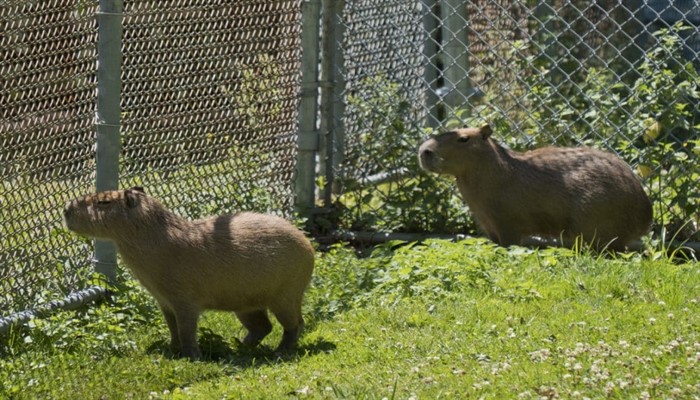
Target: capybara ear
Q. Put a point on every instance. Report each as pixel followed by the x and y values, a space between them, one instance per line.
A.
pixel 131 197
pixel 485 131
pixel 138 189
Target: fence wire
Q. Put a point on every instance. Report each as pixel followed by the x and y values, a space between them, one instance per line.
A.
pixel 209 112
pixel 210 102
pixel 382 47
pixel 211 93
pixel 47 87
pixel 621 76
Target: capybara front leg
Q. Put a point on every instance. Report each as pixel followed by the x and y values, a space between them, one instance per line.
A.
pixel 258 325
pixel 186 318
pixel 172 326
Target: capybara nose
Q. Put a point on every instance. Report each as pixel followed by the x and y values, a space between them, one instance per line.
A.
pixel 68 209
pixel 426 159
pixel 426 156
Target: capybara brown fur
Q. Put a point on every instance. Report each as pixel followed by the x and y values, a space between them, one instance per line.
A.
pixel 248 263
pixel 557 192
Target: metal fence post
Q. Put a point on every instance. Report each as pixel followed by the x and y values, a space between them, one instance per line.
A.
pixel 332 135
pixel 307 142
pixel 455 54
pixel 430 52
pixel 109 19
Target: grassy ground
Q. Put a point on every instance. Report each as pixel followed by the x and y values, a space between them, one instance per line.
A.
pixel 438 320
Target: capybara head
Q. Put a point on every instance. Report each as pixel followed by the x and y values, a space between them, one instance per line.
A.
pixel 454 152
pixel 101 214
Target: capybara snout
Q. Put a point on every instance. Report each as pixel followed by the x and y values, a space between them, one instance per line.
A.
pixel 447 153
pixel 427 158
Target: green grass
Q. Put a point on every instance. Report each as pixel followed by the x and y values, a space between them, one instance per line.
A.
pixel 437 320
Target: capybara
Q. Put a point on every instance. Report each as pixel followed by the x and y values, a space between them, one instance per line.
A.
pixel 555 192
pixel 247 263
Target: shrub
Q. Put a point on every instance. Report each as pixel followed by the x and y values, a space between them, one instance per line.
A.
pixel 413 201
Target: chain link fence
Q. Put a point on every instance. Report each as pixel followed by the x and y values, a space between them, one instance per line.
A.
pixel 621 76
pixel 47 90
pixel 209 109
pixel 222 102
pixel 209 103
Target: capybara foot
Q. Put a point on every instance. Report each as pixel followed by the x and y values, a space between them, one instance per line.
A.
pixel 193 354
pixel 290 339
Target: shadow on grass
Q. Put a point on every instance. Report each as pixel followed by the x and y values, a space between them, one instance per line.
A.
pixel 215 348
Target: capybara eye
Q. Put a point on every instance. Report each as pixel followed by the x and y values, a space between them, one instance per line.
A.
pixel 463 139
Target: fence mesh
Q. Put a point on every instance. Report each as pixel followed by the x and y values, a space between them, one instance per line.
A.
pixel 210 102
pixel 209 109
pixel 47 90
pixel 621 76
pixel 381 47
pixel 211 91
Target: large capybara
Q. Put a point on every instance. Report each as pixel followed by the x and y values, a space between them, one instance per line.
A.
pixel 247 263
pixel 551 192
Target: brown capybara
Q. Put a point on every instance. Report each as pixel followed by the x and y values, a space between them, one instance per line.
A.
pixel 247 263
pixel 551 192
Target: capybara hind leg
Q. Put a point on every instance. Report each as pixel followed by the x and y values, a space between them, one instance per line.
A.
pixel 611 245
pixel 619 244
pixel 506 238
pixel 258 325
pixel 292 322
pixel 170 319
pixel 186 318
pixel 290 337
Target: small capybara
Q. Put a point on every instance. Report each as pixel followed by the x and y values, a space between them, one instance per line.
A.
pixel 247 263
pixel 551 192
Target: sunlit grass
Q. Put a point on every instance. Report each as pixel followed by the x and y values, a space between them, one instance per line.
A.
pixel 437 320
